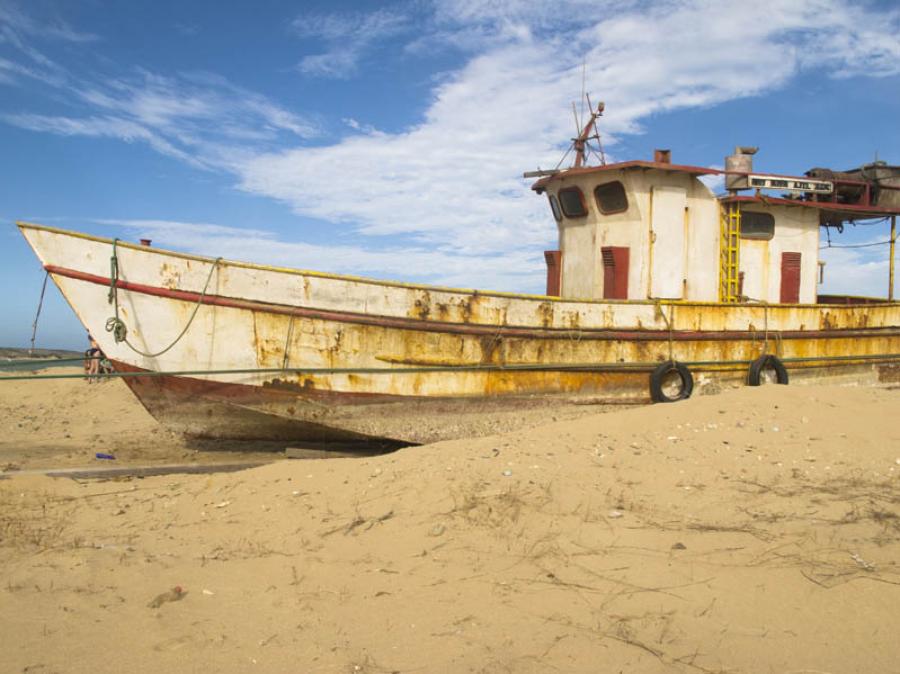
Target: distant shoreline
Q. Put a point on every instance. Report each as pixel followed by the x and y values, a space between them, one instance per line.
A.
pixel 14 354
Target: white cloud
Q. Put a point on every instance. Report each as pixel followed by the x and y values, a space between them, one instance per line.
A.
pixel 452 179
pixel 14 23
pixel 715 181
pixel 199 118
pixel 101 127
pixel 349 36
pixel 338 63
pixel 858 271
pixel 193 104
pixel 17 32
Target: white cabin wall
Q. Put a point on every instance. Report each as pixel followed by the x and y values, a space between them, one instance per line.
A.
pixel 576 238
pixel 581 239
pixel 701 222
pixel 702 269
pixel 754 265
pixel 796 231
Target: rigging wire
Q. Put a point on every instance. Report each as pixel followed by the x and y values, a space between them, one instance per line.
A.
pixel 854 245
pixel 34 326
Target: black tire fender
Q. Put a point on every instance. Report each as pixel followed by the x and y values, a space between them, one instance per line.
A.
pixel 656 382
pixel 765 362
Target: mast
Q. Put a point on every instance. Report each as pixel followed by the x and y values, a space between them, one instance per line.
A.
pixel 580 143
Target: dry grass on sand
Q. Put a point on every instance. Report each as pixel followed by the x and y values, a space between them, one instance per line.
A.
pixel 755 531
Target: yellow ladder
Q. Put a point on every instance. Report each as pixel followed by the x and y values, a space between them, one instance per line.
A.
pixel 729 253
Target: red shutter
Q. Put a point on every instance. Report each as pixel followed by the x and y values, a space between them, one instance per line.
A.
pixel 790 278
pixel 554 271
pixel 615 272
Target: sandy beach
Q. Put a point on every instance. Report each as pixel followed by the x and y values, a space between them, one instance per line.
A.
pixel 752 531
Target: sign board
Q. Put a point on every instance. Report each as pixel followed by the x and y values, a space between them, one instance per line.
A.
pixel 762 182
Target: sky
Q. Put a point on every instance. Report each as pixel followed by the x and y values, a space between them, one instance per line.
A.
pixel 389 139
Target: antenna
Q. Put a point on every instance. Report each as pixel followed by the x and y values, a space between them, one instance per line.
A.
pixel 583 94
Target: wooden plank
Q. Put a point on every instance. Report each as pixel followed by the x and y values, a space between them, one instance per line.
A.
pixel 138 471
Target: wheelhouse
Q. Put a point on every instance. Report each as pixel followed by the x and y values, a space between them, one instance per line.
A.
pixel 642 230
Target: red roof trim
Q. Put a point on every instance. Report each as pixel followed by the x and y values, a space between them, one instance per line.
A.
pixel 625 165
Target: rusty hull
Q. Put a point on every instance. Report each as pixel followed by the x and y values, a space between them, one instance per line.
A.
pixel 400 374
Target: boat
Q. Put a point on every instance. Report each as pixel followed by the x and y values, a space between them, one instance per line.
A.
pixel 659 289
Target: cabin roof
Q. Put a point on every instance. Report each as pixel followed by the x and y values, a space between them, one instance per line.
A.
pixel 541 184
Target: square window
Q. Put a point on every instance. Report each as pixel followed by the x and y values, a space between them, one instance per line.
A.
pixel 611 198
pixel 572 201
pixel 755 225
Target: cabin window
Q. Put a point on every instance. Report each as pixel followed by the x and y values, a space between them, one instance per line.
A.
pixel 554 206
pixel 611 198
pixel 572 201
pixel 756 225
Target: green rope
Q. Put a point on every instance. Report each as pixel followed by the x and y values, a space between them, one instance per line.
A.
pixel 117 326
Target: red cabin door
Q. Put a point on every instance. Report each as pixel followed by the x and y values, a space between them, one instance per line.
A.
pixel 615 272
pixel 790 278
pixel 554 272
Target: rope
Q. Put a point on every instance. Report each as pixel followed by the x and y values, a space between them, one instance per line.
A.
pixel 117 326
pixel 37 315
pixel 287 344
pixel 668 321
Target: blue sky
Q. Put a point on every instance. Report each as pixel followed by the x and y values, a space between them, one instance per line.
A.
pixel 389 139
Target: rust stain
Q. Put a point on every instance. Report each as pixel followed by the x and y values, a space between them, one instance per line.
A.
pixel 489 346
pixel 269 335
pixel 169 276
pixel 545 314
pixel 421 308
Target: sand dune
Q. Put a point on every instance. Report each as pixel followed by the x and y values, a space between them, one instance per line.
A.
pixel 754 531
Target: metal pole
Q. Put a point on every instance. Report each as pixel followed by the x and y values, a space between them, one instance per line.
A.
pixel 891 263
